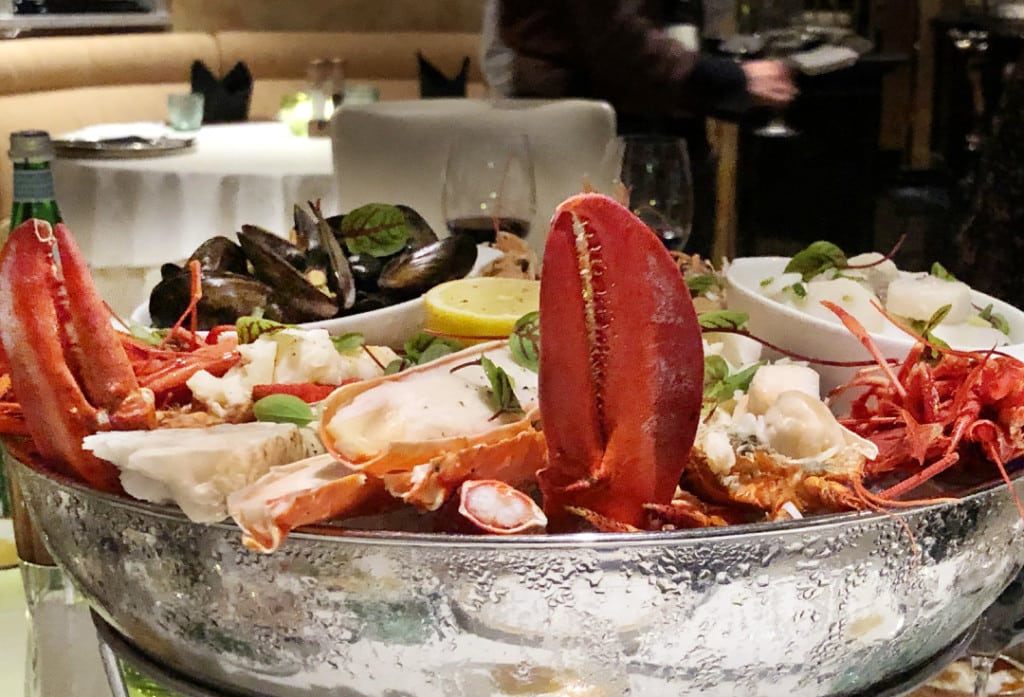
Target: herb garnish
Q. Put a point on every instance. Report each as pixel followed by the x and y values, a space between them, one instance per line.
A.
pixel 423 348
pixel 722 319
pixel 995 319
pixel 940 271
pixel 719 385
pixel 925 328
pixel 815 258
pixel 377 229
pixel 282 408
pixel 524 342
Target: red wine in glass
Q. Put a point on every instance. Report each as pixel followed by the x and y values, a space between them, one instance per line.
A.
pixel 482 228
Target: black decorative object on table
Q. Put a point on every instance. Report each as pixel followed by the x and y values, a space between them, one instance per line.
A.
pixel 434 83
pixel 224 100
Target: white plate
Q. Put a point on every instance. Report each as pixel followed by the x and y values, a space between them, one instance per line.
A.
pixel 388 326
pixel 795 331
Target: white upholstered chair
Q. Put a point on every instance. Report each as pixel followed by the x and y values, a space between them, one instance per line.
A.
pixel 394 152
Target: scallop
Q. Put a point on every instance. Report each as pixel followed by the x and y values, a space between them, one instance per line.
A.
pixel 920 296
pixel 849 295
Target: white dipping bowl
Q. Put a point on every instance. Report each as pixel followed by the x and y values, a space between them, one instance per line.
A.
pixel 388 326
pixel 799 333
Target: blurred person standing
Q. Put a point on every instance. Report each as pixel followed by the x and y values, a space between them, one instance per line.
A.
pixel 628 53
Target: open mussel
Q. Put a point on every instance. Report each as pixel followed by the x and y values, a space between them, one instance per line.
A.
pixel 301 299
pixel 413 272
pixel 321 275
pixel 226 297
pixel 328 253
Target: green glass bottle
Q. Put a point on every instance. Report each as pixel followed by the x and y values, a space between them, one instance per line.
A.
pixel 31 153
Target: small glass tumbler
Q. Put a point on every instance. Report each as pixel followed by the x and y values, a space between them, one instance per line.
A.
pixel 185 111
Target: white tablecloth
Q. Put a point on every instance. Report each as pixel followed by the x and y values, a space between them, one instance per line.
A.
pixel 147 211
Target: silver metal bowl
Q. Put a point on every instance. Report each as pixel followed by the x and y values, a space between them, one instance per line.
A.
pixel 823 606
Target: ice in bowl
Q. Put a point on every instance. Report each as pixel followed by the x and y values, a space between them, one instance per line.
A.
pixel 591 441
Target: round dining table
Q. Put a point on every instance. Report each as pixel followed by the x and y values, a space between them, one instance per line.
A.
pixel 137 210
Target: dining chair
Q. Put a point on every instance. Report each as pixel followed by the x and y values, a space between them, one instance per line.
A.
pixel 395 151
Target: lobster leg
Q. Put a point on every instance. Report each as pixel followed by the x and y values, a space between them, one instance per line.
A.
pixel 621 367
pixel 55 332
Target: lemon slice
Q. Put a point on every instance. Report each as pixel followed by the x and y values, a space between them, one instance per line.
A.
pixel 480 307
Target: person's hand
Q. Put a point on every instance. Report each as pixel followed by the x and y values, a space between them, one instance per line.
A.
pixel 769 83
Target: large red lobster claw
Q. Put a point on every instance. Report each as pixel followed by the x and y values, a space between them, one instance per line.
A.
pixel 68 368
pixel 621 365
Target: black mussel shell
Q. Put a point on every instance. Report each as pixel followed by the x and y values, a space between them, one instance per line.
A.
pixel 271 243
pixel 365 270
pixel 328 254
pixel 369 301
pixel 219 254
pixel 305 227
pixel 414 272
pixel 300 300
pixel 167 270
pixel 226 297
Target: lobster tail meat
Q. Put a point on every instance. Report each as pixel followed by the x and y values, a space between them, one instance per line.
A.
pixel 41 291
pixel 621 366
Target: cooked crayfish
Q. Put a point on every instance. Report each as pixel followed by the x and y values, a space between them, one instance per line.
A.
pixel 69 369
pixel 940 407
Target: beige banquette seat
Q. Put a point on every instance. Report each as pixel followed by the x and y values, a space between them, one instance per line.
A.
pixel 60 84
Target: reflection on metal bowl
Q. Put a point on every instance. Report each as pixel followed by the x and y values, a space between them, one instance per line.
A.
pixel 832 605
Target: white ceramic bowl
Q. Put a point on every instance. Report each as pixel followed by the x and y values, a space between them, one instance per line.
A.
pixel 795 331
pixel 388 326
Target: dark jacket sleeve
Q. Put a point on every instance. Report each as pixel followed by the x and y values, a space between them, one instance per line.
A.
pixel 613 50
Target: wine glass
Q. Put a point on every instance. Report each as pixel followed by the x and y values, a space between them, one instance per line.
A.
pixel 489 185
pixel 655 171
pixel 1000 627
pixel 780 41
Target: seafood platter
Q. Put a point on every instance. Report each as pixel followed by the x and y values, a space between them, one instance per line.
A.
pixel 623 496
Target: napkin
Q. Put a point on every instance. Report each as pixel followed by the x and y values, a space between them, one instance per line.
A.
pixel 224 99
pixel 434 83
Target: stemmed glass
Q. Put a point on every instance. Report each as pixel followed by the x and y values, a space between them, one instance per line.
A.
pixel 772 23
pixel 1000 627
pixel 489 185
pixel 655 171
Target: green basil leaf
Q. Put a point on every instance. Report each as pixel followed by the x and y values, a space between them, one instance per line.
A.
pixel 765 282
pixel 502 388
pixel 419 344
pixel 397 366
pixel 377 229
pixel 434 351
pixel 282 408
pixel 815 258
pixel 348 342
pixel 250 328
pixel 525 341
pixel 722 319
pixel 940 271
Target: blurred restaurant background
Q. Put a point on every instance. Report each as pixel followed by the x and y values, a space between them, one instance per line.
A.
pixel 884 148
